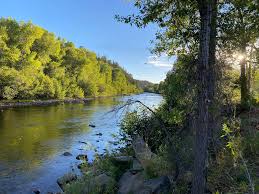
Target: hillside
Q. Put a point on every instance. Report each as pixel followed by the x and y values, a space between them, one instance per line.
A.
pixel 35 64
pixel 147 86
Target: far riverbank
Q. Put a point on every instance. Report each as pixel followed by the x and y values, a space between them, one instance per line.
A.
pixel 23 103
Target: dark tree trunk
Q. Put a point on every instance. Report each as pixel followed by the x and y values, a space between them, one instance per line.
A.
pixel 206 85
pixel 212 78
pixel 243 82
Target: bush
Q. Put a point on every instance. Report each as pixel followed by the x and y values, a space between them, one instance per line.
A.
pixel 9 93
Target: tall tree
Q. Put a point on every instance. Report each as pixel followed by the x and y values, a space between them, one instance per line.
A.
pixel 206 87
pixel 239 31
pixel 182 33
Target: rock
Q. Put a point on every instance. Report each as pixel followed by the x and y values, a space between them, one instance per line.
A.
pixel 67 154
pixel 158 185
pixel 82 142
pixel 136 167
pixel 142 151
pixel 82 157
pixel 130 183
pixel 82 165
pixel 66 179
pixel 135 184
pixel 91 125
pixel 103 180
pixel 113 142
pixel 36 191
pixel 123 159
pixel 99 134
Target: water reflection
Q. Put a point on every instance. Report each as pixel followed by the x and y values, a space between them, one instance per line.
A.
pixel 32 139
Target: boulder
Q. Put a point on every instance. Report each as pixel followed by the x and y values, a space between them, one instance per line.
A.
pixel 66 179
pixel 82 157
pixel 158 185
pixel 103 180
pixel 67 154
pixel 136 167
pixel 142 151
pixel 130 183
pixel 135 184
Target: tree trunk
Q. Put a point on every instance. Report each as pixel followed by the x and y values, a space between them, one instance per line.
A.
pixel 212 78
pixel 243 82
pixel 205 92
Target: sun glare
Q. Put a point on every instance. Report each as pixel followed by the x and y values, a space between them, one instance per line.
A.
pixel 240 57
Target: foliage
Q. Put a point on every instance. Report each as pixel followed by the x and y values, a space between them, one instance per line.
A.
pixel 147 86
pixel 102 164
pixel 234 169
pixel 35 64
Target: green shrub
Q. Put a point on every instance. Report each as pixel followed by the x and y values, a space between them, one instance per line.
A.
pixel 9 93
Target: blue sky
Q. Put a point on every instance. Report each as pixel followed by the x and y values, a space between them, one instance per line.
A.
pixel 91 24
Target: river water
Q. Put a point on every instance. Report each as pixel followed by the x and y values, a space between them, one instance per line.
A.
pixel 33 140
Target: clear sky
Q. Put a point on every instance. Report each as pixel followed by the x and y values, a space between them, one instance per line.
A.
pixel 91 24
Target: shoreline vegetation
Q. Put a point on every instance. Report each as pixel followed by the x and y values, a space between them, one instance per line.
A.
pixel 4 104
pixel 35 64
pixel 25 103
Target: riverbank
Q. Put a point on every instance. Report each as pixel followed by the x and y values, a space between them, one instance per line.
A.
pixel 24 103
pixel 132 169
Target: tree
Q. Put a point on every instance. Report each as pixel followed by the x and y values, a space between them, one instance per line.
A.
pixel 35 64
pixel 239 32
pixel 180 35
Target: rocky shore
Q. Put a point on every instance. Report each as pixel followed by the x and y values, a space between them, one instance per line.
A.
pixel 130 178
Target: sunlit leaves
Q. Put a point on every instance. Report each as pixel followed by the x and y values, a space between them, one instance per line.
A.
pixel 35 64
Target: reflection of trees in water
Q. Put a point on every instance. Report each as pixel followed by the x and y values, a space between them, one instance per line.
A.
pixel 29 134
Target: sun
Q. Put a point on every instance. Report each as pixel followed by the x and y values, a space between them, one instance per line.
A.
pixel 240 57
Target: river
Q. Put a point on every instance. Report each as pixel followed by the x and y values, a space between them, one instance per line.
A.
pixel 33 140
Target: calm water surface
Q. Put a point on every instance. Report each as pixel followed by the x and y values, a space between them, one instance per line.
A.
pixel 33 139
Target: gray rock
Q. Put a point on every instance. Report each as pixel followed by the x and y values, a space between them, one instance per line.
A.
pixel 142 151
pixel 36 191
pixel 104 180
pixel 130 183
pixel 82 157
pixel 135 184
pixel 136 167
pixel 67 154
pixel 158 185
pixel 123 159
pixel 66 179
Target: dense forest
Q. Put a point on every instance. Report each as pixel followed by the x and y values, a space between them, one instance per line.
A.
pixel 35 64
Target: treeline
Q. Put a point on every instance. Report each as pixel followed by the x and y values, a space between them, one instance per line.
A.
pixel 147 86
pixel 35 64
